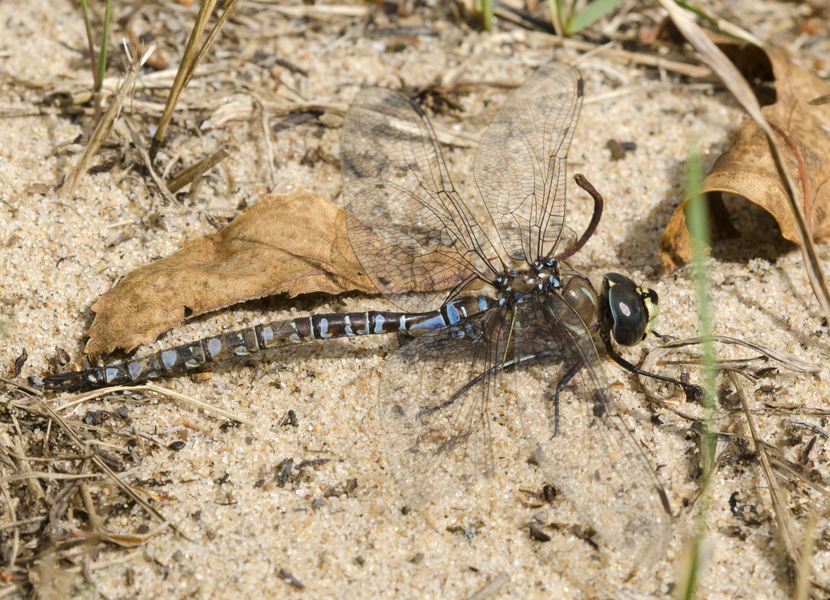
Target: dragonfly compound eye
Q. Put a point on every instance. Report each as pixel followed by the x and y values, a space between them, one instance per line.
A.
pixel 632 309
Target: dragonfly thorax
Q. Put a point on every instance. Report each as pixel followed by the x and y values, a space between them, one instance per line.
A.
pixel 513 286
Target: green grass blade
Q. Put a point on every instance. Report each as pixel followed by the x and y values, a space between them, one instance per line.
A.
pixel 592 13
pixel 484 10
pixel 697 218
pixel 102 56
pixel 487 14
pixel 89 42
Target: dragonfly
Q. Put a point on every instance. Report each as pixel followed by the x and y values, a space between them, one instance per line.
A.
pixel 505 321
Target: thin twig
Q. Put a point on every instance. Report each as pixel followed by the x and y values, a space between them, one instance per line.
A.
pixel 151 387
pixel 89 506
pixel 779 506
pixel 192 401
pixel 625 57
pixel 220 22
pixel 492 587
pixel 21 522
pixel 197 170
pixel 148 164
pixel 101 464
pixel 23 468
pixel 802 581
pixel 266 139
pixel 15 525
pixel 106 564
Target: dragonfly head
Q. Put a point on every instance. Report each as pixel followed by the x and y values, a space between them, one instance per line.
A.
pixel 627 310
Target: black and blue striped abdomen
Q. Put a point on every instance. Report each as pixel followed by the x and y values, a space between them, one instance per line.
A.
pixel 246 342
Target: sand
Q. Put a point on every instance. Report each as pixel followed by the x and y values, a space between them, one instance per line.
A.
pixel 221 489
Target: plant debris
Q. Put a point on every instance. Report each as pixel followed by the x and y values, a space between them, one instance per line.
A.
pixel 749 169
pixel 293 243
pixel 64 495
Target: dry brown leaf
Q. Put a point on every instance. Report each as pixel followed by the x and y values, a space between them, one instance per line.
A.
pixel 287 243
pixel 748 168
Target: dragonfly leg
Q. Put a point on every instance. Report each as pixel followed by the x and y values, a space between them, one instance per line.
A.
pixel 664 338
pixel 563 382
pixel 693 392
pixel 404 338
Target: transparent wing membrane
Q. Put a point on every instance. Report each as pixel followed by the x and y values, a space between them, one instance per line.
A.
pixel 409 229
pixel 592 459
pixel 435 393
pixel 433 402
pixel 520 163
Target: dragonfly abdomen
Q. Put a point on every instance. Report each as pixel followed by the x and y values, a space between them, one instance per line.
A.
pixel 276 334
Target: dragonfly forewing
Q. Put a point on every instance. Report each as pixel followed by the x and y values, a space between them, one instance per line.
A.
pixel 410 230
pixel 520 163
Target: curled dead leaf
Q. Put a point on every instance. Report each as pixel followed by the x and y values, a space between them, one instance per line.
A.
pixel 749 170
pixel 286 243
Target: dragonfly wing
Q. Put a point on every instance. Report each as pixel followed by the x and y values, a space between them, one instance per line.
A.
pixel 520 163
pixel 408 227
pixel 433 402
pixel 593 459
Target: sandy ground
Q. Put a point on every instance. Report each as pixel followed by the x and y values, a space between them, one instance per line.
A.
pixel 56 258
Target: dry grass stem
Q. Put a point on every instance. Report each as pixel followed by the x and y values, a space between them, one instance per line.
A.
pixel 138 142
pixel 804 571
pixel 266 139
pixel 197 170
pixel 321 12
pixel 21 522
pixel 186 67
pixel 786 528
pixel 114 562
pixel 655 358
pixel 33 476
pixel 103 129
pixel 23 468
pixel 151 387
pixel 72 433
pixel 227 10
pixel 786 470
pixel 492 588
pixel 193 402
pixel 14 525
pixel 626 57
pixel 729 28
pixel 784 360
